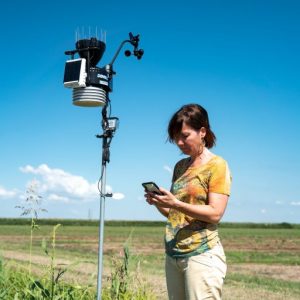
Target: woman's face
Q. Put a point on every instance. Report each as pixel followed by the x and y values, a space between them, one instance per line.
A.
pixel 189 140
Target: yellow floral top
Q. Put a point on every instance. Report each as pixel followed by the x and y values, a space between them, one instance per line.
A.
pixel 186 236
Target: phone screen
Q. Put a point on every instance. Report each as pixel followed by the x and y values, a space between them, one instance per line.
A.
pixel 151 187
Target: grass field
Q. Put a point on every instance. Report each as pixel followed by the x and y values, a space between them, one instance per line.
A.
pixel 263 261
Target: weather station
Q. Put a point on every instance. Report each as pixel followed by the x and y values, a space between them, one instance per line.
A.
pixel 91 86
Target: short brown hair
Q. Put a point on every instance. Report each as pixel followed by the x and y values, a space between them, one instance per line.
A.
pixel 194 116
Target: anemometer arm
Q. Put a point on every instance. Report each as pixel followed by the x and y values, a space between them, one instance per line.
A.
pixel 134 41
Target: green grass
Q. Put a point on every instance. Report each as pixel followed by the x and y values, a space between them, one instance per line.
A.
pixel 256 234
pixel 258 243
pixel 283 258
pixel 255 245
pixel 16 283
pixel 19 281
pixel 270 284
pixel 80 222
pixel 260 233
pixel 122 223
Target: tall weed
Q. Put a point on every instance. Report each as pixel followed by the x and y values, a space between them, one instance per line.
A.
pixel 32 207
pixel 126 284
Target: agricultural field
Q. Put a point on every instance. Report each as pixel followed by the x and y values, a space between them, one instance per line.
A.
pixel 263 260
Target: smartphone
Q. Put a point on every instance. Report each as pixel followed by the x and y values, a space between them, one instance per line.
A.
pixel 152 187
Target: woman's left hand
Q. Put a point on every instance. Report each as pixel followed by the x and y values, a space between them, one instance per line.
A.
pixel 167 200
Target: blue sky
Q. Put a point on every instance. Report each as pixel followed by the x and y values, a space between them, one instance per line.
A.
pixel 238 59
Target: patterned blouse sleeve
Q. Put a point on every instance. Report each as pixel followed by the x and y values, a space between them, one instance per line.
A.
pixel 220 180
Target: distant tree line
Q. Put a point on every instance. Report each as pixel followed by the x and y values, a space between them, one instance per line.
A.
pixel 83 222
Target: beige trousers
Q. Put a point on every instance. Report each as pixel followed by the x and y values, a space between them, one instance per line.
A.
pixel 197 277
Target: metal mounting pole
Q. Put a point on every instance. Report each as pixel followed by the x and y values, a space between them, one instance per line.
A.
pixel 101 232
pixel 106 137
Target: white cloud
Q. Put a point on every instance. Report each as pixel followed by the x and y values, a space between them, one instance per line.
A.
pixel 4 193
pixel 60 181
pixel 294 203
pixel 263 211
pixel 118 196
pixel 59 185
pixel 279 202
pixel 54 197
pixel 168 169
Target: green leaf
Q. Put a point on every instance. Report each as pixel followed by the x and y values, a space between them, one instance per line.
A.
pixel 36 284
pixel 46 293
pixel 56 227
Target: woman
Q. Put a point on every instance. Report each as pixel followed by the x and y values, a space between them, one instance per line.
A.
pixel 195 260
